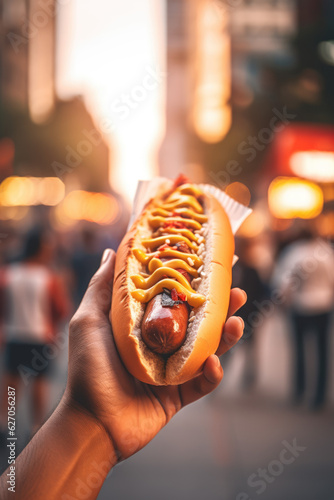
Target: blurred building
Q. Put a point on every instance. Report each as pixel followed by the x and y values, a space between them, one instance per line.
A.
pixel 215 53
pixel 28 56
pixel 263 27
pixel 51 137
pixel 198 86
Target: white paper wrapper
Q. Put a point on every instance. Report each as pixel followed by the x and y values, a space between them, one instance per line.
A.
pixel 146 190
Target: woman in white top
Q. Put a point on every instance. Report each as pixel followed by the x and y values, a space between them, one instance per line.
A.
pixel 33 301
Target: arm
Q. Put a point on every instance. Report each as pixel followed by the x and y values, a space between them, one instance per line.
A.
pixel 105 415
pixel 70 454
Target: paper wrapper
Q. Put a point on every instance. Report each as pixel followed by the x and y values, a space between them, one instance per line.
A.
pixel 146 190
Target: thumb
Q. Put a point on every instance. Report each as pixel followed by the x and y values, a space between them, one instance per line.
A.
pixel 97 298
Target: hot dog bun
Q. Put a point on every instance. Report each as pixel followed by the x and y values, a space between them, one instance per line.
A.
pixel 204 331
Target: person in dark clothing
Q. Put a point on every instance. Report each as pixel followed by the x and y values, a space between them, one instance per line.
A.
pixel 85 263
pixel 304 276
pixel 247 277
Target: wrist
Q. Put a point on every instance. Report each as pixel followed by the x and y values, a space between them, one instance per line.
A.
pixel 70 453
pixel 85 427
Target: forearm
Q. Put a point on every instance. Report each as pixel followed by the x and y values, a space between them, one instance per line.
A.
pixel 70 456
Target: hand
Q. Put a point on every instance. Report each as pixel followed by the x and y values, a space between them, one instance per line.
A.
pixel 130 412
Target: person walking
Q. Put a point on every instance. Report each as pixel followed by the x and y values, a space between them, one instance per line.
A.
pixel 304 277
pixel 33 300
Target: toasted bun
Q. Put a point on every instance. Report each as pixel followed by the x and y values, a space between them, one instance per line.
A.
pixel 204 332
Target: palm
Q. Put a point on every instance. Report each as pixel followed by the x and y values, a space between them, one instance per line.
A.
pixel 102 385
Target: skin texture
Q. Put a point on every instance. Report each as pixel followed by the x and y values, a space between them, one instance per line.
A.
pixel 105 415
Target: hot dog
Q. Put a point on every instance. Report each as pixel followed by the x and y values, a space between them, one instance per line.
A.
pixel 172 285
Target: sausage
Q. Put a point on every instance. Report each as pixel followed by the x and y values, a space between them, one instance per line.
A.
pixel 164 328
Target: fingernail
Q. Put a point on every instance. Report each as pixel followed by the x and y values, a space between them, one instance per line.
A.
pixel 217 361
pixel 241 321
pixel 105 256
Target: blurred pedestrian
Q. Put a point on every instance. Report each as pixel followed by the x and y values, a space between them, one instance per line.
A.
pixel 33 302
pixel 304 277
pixel 85 262
pixel 247 276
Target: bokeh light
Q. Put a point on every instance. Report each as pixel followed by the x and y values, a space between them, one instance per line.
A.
pixel 290 197
pixel 239 192
pixel 314 165
pixel 212 111
pixel 254 225
pixel 78 205
pixel 26 191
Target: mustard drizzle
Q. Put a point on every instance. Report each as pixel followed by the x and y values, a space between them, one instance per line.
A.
pixel 185 232
pixel 158 221
pixel 153 243
pixel 159 274
pixel 174 264
pixel 164 274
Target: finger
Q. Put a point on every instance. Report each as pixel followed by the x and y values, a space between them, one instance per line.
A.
pixel 238 298
pixel 97 298
pixel 232 333
pixel 204 383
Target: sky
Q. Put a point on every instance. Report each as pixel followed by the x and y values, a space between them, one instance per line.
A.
pixel 113 53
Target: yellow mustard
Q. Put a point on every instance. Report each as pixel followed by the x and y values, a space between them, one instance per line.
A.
pixel 193 299
pixel 161 211
pixel 158 275
pixel 158 221
pixel 153 243
pixel 145 258
pixel 185 232
pixel 185 212
pixel 190 189
pixel 176 200
pixel 174 264
pixel 181 202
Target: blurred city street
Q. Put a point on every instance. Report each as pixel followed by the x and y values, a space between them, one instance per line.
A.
pixel 212 447
pixel 111 111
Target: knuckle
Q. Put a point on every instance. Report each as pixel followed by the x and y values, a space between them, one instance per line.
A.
pixel 95 280
pixel 75 323
pixel 83 321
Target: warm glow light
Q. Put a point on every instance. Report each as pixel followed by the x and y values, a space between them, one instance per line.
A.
pixel 290 197
pixel 100 208
pixel 239 192
pixel 27 191
pixel 16 191
pixel 253 226
pixel 314 165
pixel 51 191
pixel 108 52
pixel 212 113
pixel 325 225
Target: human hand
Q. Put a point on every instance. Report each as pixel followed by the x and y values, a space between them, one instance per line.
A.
pixel 130 412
